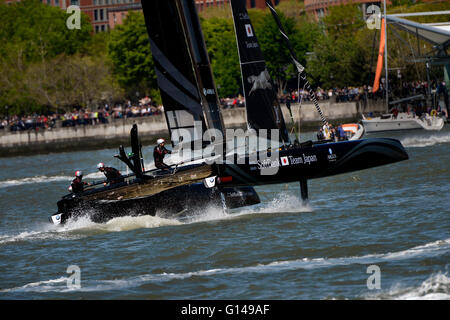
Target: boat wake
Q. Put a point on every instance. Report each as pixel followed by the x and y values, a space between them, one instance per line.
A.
pixel 83 226
pixel 46 179
pixel 426 141
pixel 435 287
pixel 33 180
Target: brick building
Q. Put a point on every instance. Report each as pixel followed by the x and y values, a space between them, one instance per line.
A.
pixel 97 10
pixel 319 8
pixel 203 4
pixel 106 14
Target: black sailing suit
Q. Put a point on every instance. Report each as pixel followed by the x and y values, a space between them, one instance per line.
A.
pixel 113 175
pixel 77 185
pixel 158 154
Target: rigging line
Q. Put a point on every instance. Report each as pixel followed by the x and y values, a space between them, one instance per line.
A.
pixel 297 65
pixel 373 55
pixel 414 56
pixel 251 62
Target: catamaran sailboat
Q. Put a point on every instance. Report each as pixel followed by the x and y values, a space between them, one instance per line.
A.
pixel 193 118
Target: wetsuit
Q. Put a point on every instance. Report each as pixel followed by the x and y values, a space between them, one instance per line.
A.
pixel 77 185
pixel 113 175
pixel 158 154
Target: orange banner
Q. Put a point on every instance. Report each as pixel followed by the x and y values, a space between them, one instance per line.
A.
pixel 376 83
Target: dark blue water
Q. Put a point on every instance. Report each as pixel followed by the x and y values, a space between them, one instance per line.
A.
pixel 394 217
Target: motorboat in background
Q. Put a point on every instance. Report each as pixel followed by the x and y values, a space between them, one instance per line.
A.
pixel 353 131
pixel 402 121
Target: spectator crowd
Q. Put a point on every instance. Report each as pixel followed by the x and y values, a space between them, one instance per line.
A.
pixel 80 116
pixel 146 107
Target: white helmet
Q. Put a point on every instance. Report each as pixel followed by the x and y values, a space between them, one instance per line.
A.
pixel 159 141
pixel 100 165
pixel 78 173
pixel 70 189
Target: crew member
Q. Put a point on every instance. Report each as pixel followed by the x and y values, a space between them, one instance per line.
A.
pixel 320 135
pixel 113 175
pixel 77 185
pixel 326 131
pixel 158 154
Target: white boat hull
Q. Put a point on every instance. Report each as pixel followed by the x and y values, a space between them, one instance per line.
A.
pixel 402 122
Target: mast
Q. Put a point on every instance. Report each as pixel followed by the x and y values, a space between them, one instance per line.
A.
pixel 385 57
pixel 262 105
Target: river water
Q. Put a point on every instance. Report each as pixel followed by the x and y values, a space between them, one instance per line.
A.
pixel 381 233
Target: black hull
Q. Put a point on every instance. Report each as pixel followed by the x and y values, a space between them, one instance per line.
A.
pixel 180 203
pixel 316 160
pixel 234 185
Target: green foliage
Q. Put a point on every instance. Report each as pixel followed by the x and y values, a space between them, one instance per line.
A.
pixel 130 53
pixel 220 40
pixel 40 31
pixel 343 21
pixel 274 48
pixel 339 59
pixel 33 33
pixel 44 65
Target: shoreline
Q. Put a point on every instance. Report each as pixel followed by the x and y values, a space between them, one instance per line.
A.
pixel 116 132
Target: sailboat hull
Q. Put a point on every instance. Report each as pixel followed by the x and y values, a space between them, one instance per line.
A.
pixel 179 203
pixel 315 161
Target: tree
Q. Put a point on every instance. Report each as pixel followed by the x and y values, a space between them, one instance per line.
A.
pixel 33 33
pixel 130 53
pixel 40 30
pixel 222 50
pixel 274 48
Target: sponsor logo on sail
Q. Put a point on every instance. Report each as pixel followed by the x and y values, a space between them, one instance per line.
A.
pixel 249 30
pixel 260 82
pixel 208 91
pixel 284 161
pixel 243 16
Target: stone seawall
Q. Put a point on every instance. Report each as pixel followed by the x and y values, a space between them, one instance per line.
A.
pixel 117 130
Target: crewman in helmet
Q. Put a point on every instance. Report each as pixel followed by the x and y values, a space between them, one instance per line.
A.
pixel 158 154
pixel 113 175
pixel 77 185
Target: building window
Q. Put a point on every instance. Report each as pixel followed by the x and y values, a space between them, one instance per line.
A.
pixel 74 2
pixel 101 15
pixel 252 4
pixel 95 15
pixel 57 3
pixel 96 29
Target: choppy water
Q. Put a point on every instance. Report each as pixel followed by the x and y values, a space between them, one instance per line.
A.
pixel 395 217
